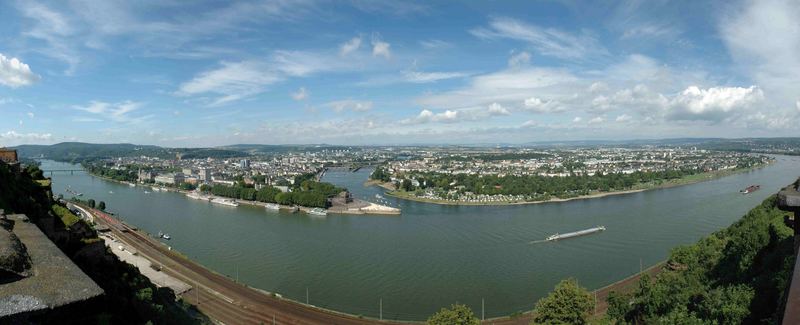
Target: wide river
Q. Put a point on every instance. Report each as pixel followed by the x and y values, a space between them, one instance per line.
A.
pixel 434 255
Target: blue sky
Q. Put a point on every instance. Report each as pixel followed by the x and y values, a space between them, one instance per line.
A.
pixel 210 73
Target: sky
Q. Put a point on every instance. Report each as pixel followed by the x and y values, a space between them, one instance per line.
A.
pixel 212 73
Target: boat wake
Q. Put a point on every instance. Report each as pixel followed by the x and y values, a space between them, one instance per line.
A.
pixel 538 241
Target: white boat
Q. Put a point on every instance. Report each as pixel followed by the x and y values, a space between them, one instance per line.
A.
pixel 110 192
pixel 146 192
pixel 318 212
pixel 272 206
pixel 166 236
pixel 155 189
pixel 131 184
pixel 227 202
pixel 576 233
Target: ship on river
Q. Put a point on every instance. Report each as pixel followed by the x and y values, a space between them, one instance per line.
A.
pixel 750 189
pixel 576 233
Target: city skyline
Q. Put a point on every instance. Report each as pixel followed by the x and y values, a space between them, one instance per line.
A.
pixel 291 72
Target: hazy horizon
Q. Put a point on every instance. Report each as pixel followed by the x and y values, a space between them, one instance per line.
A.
pixel 210 74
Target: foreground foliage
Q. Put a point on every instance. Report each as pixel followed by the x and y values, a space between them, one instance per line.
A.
pixel 455 315
pixel 569 303
pixel 737 275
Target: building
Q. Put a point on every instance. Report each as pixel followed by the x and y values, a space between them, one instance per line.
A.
pixel 224 182
pixel 145 176
pixel 245 163
pixel 8 155
pixel 173 179
pixel 204 175
pixel 188 171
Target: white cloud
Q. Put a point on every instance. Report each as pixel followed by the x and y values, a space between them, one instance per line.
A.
pixel 715 104
pixel 52 28
pixel 232 81
pixel 14 73
pixel 435 44
pixel 350 46
pixel 597 87
pixel 496 109
pixel 651 30
pixel 380 48
pixel 797 104
pixel 117 112
pixel 763 37
pixel 537 105
pixel 427 77
pixel 238 80
pixel 300 94
pixel 31 115
pixel 596 120
pixel 519 59
pixel 577 119
pixel 548 41
pixel 349 104
pixel 508 87
pixel 426 116
pixel 16 137
pixel 530 124
pixel 623 118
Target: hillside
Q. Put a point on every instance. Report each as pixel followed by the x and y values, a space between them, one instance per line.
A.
pixel 79 151
pixel 130 298
pixel 738 275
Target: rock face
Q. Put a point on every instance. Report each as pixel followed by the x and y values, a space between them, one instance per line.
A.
pixel 789 197
pixel 14 260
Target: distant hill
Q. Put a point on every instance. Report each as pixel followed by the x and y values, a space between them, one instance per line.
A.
pixel 77 151
pixel 276 149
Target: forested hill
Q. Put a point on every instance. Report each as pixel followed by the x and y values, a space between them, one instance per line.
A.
pixel 739 275
pixel 78 151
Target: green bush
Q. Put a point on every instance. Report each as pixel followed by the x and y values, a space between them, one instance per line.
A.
pixel 455 315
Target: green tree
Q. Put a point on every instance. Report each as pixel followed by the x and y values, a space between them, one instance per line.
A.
pixel 569 303
pixel 90 203
pixel 101 205
pixel 457 314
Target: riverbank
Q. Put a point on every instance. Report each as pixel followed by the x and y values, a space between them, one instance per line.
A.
pixel 360 208
pixel 686 180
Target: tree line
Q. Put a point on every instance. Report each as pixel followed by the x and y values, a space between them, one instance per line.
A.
pixel 308 193
pixel 566 186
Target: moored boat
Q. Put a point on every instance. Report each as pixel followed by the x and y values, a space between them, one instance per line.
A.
pixel 318 212
pixel 272 206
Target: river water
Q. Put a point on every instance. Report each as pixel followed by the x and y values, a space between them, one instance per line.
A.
pixel 433 255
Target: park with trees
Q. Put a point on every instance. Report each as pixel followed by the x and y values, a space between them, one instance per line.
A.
pixel 307 192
